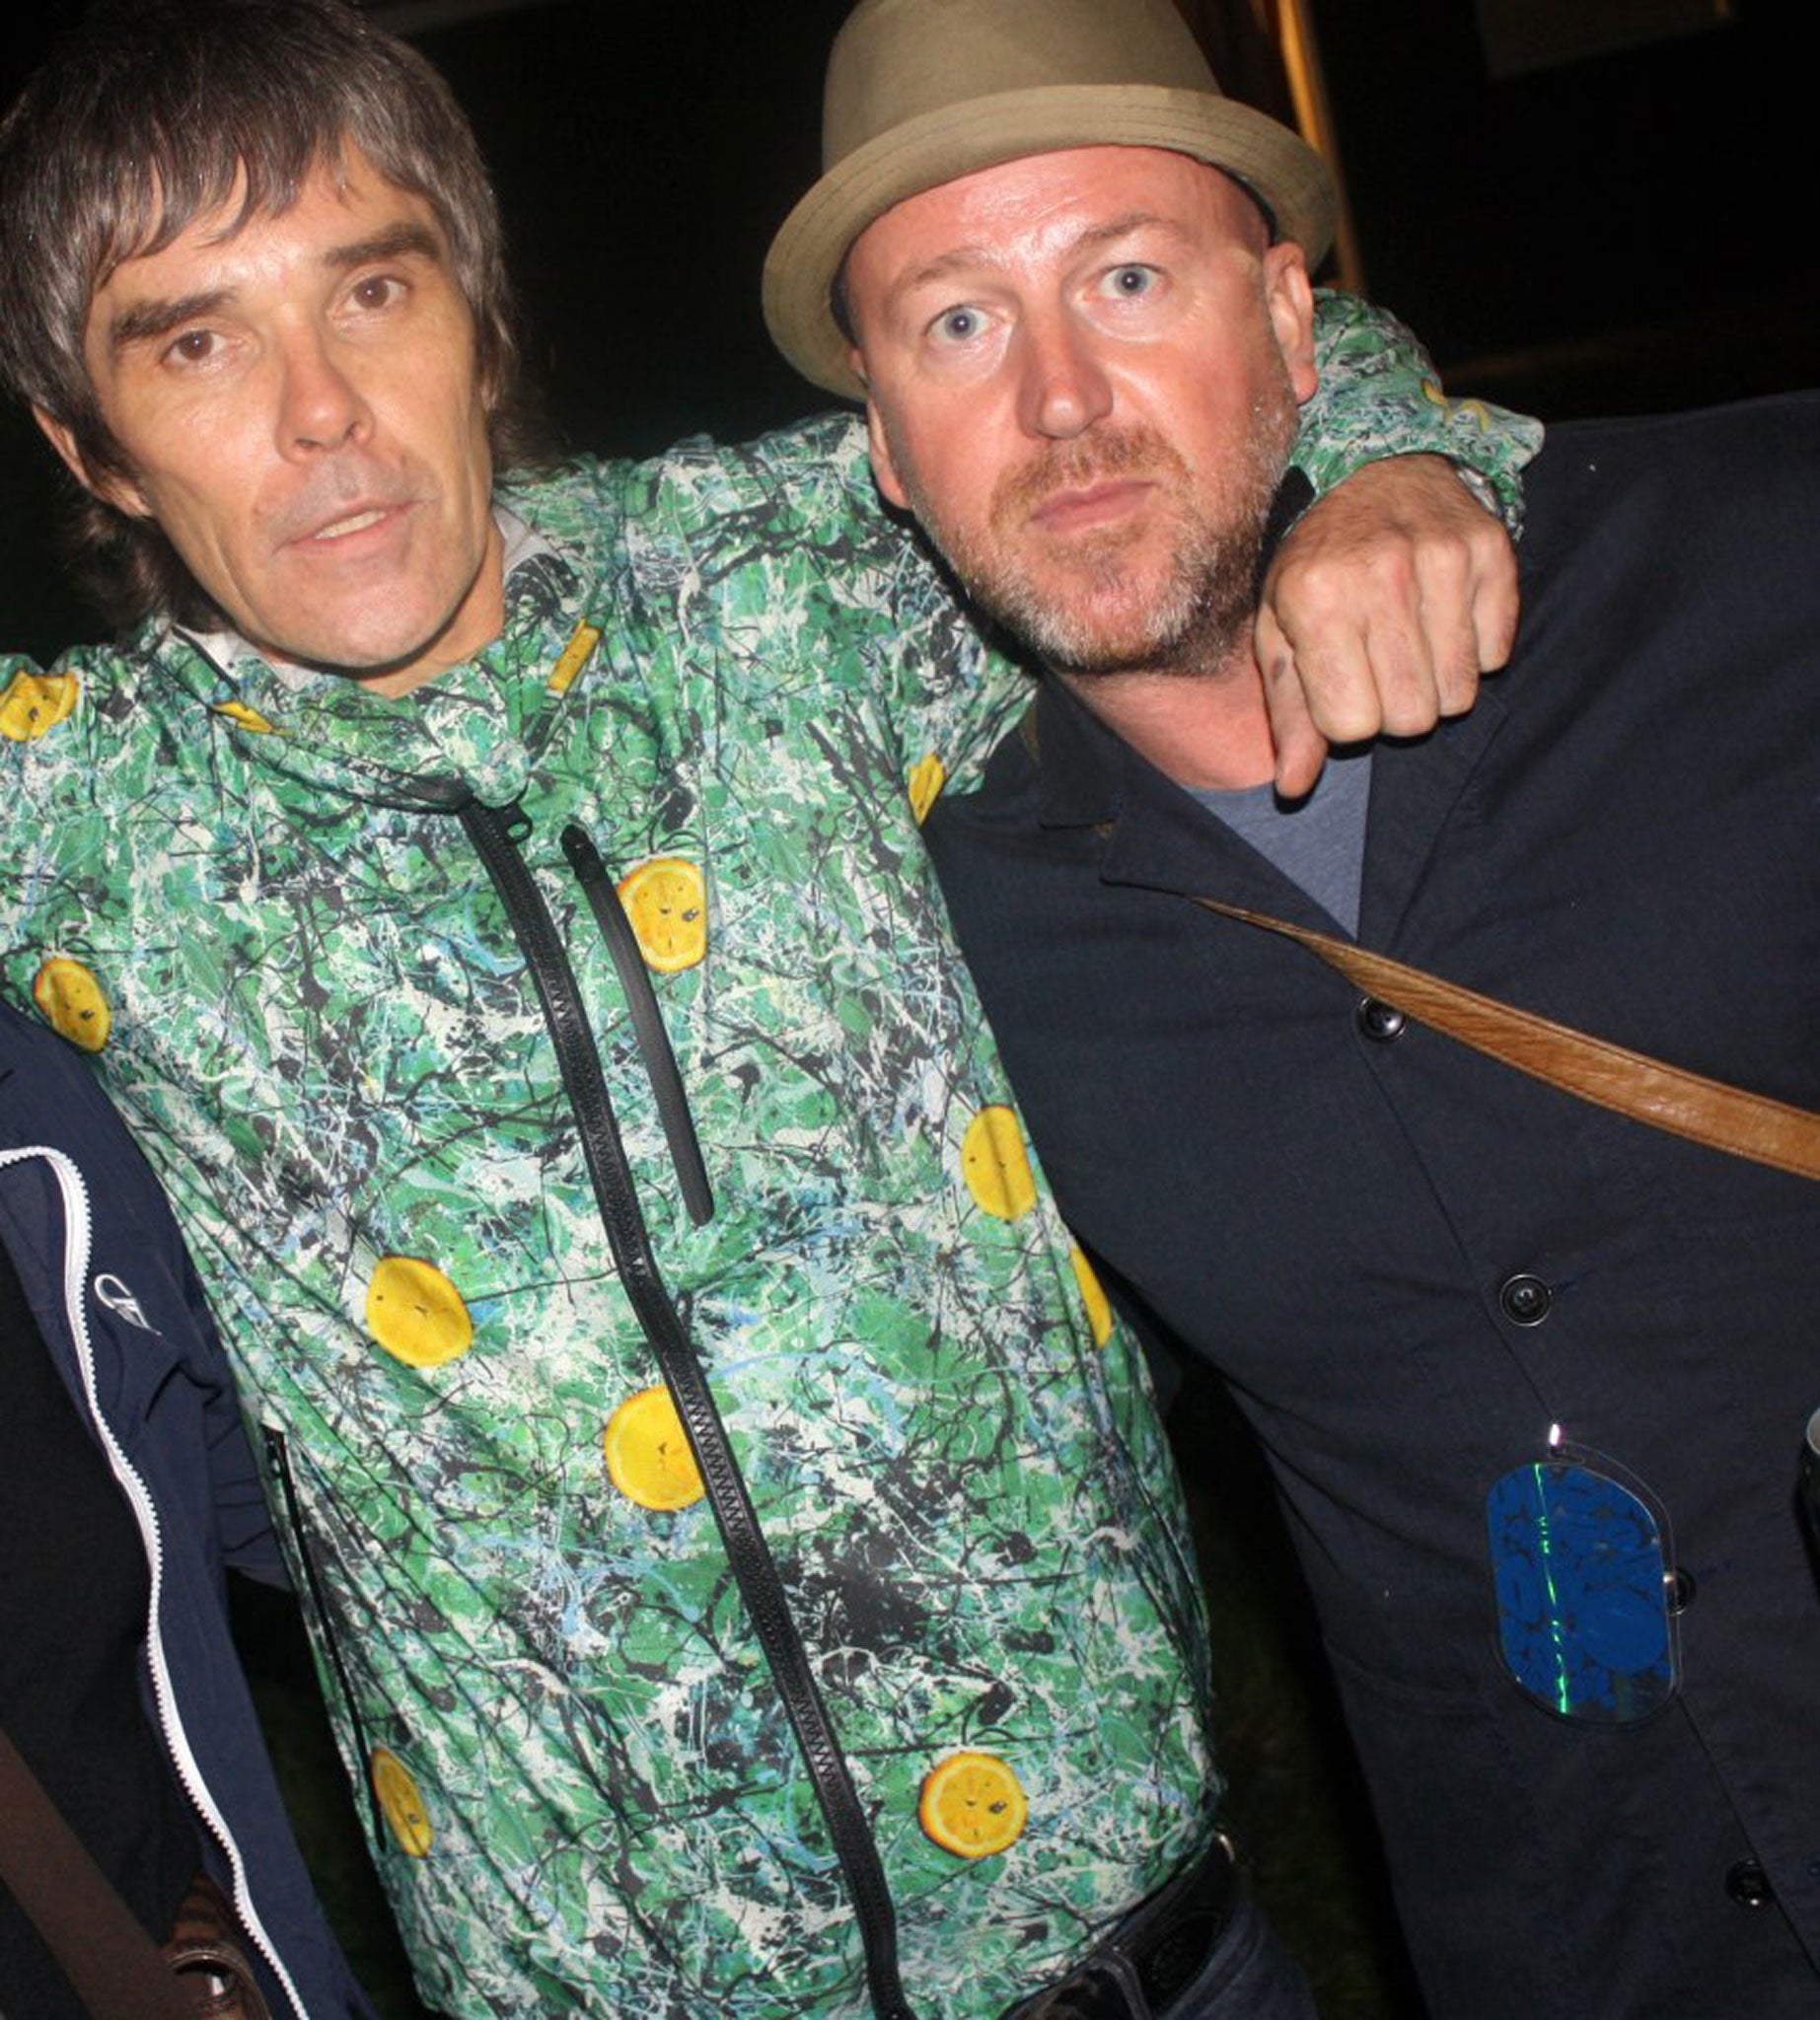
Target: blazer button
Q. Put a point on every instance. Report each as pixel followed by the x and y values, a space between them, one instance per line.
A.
pixel 1525 1300
pixel 1681 1589
pixel 1381 1022
pixel 1749 1885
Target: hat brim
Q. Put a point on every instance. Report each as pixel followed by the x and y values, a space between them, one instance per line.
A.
pixel 1279 168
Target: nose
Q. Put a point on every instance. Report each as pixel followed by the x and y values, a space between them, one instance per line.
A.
pixel 1063 388
pixel 320 406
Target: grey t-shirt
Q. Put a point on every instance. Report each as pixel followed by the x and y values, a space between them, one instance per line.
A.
pixel 1318 842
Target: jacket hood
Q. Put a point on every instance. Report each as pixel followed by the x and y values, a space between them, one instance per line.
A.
pixel 472 733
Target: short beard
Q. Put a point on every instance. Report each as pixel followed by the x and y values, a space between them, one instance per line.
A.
pixel 1194 620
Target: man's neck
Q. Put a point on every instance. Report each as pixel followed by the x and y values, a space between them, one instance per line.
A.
pixel 1206 729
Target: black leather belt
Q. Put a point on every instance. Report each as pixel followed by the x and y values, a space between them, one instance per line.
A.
pixel 1154 1954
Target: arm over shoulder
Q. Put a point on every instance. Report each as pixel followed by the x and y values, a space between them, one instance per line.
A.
pixel 1379 395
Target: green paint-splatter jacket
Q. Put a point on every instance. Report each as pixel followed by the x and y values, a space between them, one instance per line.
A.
pixel 262 899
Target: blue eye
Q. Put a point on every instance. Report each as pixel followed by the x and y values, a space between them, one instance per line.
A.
pixel 1130 282
pixel 958 325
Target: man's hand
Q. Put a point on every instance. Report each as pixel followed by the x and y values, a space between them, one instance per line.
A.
pixel 1380 611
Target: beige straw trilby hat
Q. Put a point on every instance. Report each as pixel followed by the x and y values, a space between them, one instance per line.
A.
pixel 920 92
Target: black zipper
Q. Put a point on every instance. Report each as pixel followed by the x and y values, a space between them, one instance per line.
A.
pixel 647 1021
pixel 277 1452
pixel 495 833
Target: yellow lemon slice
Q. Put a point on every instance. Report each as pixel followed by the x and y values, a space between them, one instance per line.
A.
pixel 1092 1296
pixel 925 781
pixel 996 1166
pixel 574 658
pixel 72 1003
pixel 666 901
pixel 247 716
pixel 647 1456
pixel 416 1313
pixel 401 1803
pixel 36 702
pixel 972 1805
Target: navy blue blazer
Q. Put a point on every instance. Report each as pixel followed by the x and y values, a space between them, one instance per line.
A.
pixel 1412 1263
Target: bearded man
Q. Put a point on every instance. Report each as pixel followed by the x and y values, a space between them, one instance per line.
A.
pixel 1533 1375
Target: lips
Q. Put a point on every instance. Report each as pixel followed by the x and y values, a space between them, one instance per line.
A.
pixel 1080 506
pixel 1095 481
pixel 326 522
pixel 343 527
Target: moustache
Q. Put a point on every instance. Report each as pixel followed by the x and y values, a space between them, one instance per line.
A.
pixel 339 489
pixel 1074 466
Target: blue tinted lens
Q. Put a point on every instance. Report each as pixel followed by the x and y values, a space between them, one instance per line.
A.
pixel 1581 1570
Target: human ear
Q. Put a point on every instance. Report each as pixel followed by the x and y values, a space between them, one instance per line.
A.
pixel 1290 302
pixel 118 491
pixel 878 443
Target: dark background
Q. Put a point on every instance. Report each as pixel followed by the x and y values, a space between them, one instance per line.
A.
pixel 1625 232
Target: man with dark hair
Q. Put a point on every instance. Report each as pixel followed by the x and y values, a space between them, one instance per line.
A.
pixel 742 1550
pixel 1531 1373
pixel 70 227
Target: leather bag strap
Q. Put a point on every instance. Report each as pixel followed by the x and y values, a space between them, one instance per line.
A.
pixel 1705 1111
pixel 112 1964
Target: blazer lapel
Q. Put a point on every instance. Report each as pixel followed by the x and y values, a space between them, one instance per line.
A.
pixel 1415 788
pixel 1155 835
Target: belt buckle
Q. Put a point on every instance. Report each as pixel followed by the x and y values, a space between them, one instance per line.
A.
pixel 1153 1954
pixel 1104 1987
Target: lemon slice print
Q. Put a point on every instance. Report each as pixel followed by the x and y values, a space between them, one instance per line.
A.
pixel 996 1166
pixel 36 702
pixel 647 1456
pixel 926 778
pixel 401 1803
pixel 1092 1296
pixel 416 1313
pixel 666 901
pixel 972 1805
pixel 247 716
pixel 71 1002
pixel 574 658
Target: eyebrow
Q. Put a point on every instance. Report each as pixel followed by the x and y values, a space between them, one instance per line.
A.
pixel 963 257
pixel 146 321
pixel 396 241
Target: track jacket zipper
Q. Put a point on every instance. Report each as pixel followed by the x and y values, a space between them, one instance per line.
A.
pixel 77 1255
pixel 495 833
pixel 647 1021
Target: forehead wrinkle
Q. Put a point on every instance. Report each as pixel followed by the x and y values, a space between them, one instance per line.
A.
pixel 1124 227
